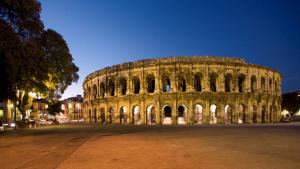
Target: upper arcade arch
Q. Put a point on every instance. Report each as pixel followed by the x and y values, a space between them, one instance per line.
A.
pixel 198 82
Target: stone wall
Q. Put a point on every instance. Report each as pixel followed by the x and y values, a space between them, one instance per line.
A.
pixel 198 90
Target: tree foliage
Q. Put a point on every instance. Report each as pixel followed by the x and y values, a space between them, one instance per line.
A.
pixel 291 102
pixel 32 59
pixel 54 107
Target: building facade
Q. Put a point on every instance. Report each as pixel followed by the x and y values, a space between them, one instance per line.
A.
pixel 72 107
pixel 183 90
pixel 39 109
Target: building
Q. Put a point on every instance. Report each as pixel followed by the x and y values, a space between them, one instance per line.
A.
pixel 72 107
pixel 6 111
pixel 183 90
pixel 39 109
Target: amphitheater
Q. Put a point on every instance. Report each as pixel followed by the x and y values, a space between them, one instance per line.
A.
pixel 183 90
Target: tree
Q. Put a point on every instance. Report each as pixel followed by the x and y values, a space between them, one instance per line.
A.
pixel 54 107
pixel 31 59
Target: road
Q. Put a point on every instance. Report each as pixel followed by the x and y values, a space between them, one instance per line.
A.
pixel 160 147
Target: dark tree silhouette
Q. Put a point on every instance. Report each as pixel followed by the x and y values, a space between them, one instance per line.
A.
pixel 31 59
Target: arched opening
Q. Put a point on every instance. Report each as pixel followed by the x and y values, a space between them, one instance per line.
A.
pixel 151 115
pixel 254 112
pixel 253 84
pixel 102 115
pixel 198 114
pixel 270 85
pixel 150 84
pixel 167 115
pixel 111 86
pixel 102 90
pixel 136 115
pixel 213 82
pixel 94 91
pixel 213 114
pixel 228 114
pixel 95 115
pixel 136 85
pixel 242 114
pixel 166 84
pixel 111 115
pixel 263 84
pixel 123 115
pixel 181 84
pixel 241 83
pixel 182 110
pixel 276 87
pixel 123 86
pixel 89 92
pixel 228 82
pixel 197 82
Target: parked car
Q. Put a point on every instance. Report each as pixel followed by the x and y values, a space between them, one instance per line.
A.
pixel 31 122
pixel 7 125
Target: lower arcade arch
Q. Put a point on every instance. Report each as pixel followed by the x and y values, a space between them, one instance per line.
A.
pixel 123 115
pixel 198 114
pixel 213 114
pixel 228 114
pixel 151 115
pixel 102 115
pixel 242 114
pixel 167 115
pixel 254 114
pixel 111 115
pixel 182 114
pixel 136 115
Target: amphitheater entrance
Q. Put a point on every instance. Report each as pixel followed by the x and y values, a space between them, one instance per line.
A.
pixel 136 115
pixel 123 115
pixel 242 114
pixel 198 114
pixel 167 115
pixel 102 115
pixel 182 110
pixel 254 114
pixel 111 115
pixel 95 115
pixel 228 114
pixel 213 114
pixel 151 115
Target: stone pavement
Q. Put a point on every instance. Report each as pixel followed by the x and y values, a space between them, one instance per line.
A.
pixel 165 147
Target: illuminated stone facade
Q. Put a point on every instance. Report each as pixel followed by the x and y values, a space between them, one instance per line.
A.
pixel 183 90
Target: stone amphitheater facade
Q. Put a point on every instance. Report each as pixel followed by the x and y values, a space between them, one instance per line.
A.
pixel 183 90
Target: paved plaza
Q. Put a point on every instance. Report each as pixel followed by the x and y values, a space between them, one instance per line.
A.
pixel 147 147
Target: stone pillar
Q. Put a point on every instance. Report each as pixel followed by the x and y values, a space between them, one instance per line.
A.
pixel 174 112
pixel 158 81
pixel 143 112
pixel 221 83
pixel 190 112
pixel 221 114
pixel 259 112
pixel 158 113
pixel 249 113
pixel 206 112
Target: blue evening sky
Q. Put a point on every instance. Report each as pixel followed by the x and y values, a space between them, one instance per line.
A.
pixel 101 33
